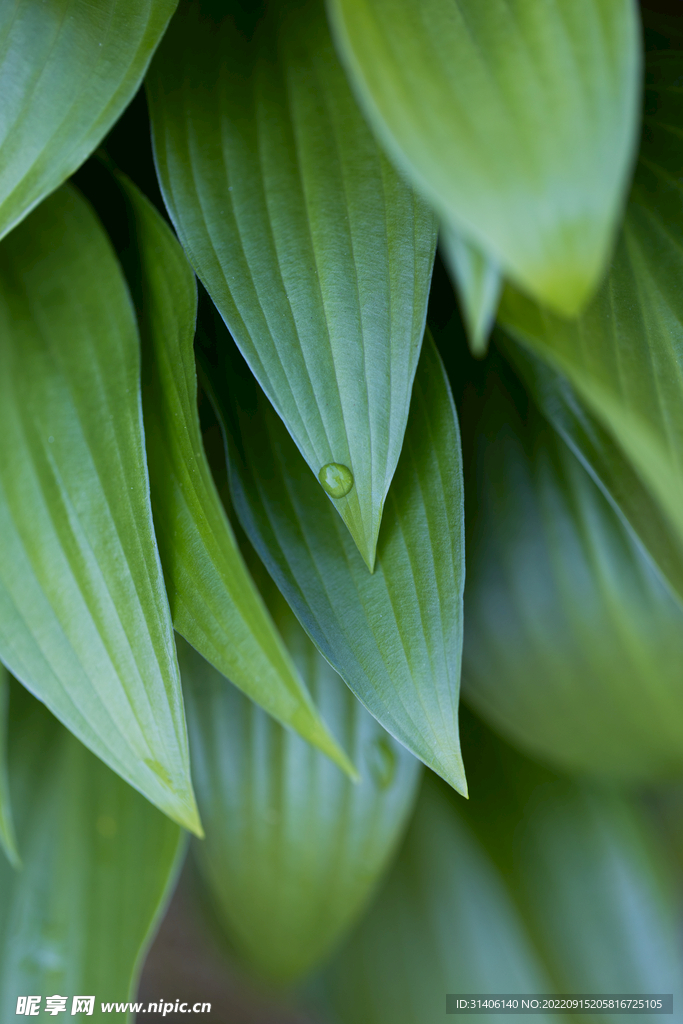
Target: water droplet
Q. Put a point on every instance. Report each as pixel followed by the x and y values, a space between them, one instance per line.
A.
pixel 336 479
pixel 381 759
pixel 51 440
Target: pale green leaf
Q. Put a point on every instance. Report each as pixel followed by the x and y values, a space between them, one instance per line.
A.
pixel 316 253
pixel 68 68
pixel 573 644
pixel 7 834
pixel 535 885
pixel 478 283
pixel 605 461
pixel 214 602
pixel 394 636
pixel 293 849
pixel 84 618
pixel 517 118
pixel 99 866
pixel 625 354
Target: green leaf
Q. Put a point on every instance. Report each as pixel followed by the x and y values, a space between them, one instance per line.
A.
pixel 478 283
pixel 535 888
pixel 625 354
pixel 443 923
pixel 588 873
pixel 395 636
pixel 214 602
pixel 68 68
pixel 517 120
pixel 573 644
pixel 316 253
pixel 84 618
pixel 293 849
pixel 602 457
pixel 99 866
pixel 7 834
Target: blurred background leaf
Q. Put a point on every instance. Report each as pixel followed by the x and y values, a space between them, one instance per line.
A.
pixel 624 355
pixel 395 636
pixel 99 864
pixel 533 885
pixel 573 645
pixel 7 833
pixel 293 849
pixel 68 68
pixel 316 253
pixel 214 602
pixel 84 618
pixel 518 122
pixel 602 457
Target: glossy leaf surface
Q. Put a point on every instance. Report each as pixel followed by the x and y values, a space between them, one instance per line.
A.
pixel 7 834
pixel 625 354
pixel 84 618
pixel 533 885
pixel 99 864
pixel 316 253
pixel 214 602
pixel 602 457
pixel 293 849
pixel 517 119
pixel 68 68
pixel 573 644
pixel 394 636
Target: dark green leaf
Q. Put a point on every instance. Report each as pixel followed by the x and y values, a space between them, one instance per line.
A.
pixel 84 618
pixel 573 644
pixel 443 923
pixel 214 602
pixel 316 253
pixel 99 865
pixel 535 885
pixel 293 849
pixel 394 636
pixel 7 835
pixel 68 68
pixel 625 354
pixel 518 120
pixel 605 461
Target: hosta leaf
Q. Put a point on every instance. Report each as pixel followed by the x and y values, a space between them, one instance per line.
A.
pixel 7 835
pixel 605 461
pixel 214 602
pixel 443 923
pixel 478 283
pixel 316 253
pixel 625 354
pixel 84 619
pixel 587 872
pixel 293 849
pixel 538 887
pixel 573 644
pixel 517 119
pixel 99 865
pixel 68 68
pixel 394 636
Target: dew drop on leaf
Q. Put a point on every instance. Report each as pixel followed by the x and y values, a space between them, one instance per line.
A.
pixel 336 479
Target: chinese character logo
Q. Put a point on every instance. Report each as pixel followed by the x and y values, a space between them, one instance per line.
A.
pixel 83 1004
pixel 55 1005
pixel 28 1006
